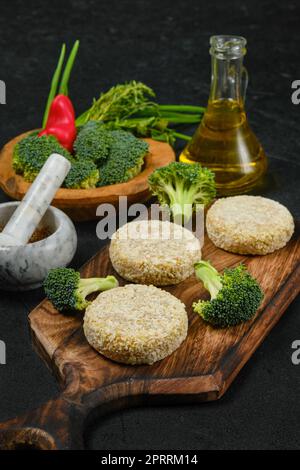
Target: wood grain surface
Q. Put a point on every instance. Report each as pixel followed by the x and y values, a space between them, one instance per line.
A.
pixel 81 204
pixel 201 369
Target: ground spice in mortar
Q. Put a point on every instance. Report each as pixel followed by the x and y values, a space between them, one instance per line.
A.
pixel 38 234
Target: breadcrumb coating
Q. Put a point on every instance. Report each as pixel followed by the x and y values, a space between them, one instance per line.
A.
pixel 154 252
pixel 249 225
pixel 136 324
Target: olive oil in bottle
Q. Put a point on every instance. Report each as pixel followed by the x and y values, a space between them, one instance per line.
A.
pixel 224 141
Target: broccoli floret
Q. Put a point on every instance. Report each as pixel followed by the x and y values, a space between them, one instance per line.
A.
pixel 181 186
pixel 31 153
pixel 92 142
pixel 125 159
pixel 67 291
pixel 235 295
pixel 83 175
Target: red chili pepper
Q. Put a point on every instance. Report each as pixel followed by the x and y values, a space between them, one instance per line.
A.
pixel 61 122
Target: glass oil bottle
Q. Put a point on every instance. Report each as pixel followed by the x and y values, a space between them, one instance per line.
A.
pixel 224 141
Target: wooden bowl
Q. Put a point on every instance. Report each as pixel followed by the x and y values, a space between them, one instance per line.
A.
pixel 81 204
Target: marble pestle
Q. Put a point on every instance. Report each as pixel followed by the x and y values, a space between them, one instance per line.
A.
pixel 36 201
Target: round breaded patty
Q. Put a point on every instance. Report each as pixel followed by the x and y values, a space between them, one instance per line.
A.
pixel 135 324
pixel 154 252
pixel 249 224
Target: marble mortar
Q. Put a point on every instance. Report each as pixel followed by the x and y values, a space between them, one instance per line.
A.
pixel 25 267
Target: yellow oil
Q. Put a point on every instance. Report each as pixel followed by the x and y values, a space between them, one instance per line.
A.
pixel 225 143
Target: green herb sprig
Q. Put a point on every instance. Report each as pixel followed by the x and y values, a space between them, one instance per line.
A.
pixel 131 106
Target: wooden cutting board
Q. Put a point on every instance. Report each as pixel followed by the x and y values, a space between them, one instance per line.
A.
pixel 201 369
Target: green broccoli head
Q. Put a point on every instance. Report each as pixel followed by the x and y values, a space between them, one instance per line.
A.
pixel 235 295
pixel 83 175
pixel 67 291
pixel 92 142
pixel 31 153
pixel 181 187
pixel 125 159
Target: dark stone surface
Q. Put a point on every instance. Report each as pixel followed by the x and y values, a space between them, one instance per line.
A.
pixel 165 44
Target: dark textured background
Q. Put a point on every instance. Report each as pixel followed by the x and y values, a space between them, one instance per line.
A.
pixel 165 44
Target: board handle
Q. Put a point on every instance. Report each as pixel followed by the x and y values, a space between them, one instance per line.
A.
pixel 56 425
